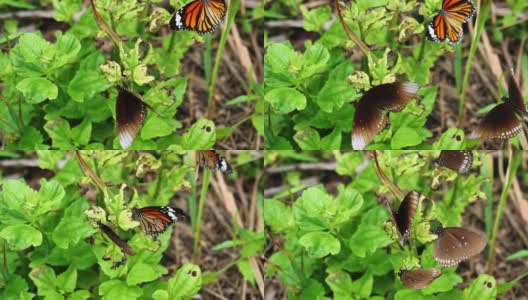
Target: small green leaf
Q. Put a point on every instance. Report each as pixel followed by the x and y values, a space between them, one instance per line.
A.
pixel 285 100
pixel 142 272
pixel 45 280
pixel 320 244
pixel 141 76
pixel 117 289
pixel 37 89
pixel 81 133
pixel 308 139
pixel 483 287
pixel 201 136
pixel 112 71
pixel 246 270
pixel 186 282
pixel 405 137
pixel 277 215
pixel 49 198
pixel 21 236
pixel 332 141
pixel 67 281
pixel 362 287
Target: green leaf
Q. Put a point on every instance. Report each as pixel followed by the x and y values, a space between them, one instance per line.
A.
pixel 73 227
pixel 285 100
pixel 201 136
pixel 117 289
pixel 65 9
pixel 186 282
pixel 363 286
pixel 81 133
pixel 156 126
pixel 332 141
pixel 277 63
pixel 67 48
pixel 320 244
pixel 49 198
pixel 483 287
pixel 30 54
pixel 67 281
pixel 341 284
pixel 88 81
pixel 141 76
pixel 37 89
pixel 79 295
pixel 314 19
pixel 310 210
pixel 246 270
pixel 277 215
pixel 308 139
pixel 405 137
pixel 370 235
pixel 45 280
pixel 142 272
pixel 315 61
pixel 452 139
pixel 336 90
pixel 60 132
pixel 21 236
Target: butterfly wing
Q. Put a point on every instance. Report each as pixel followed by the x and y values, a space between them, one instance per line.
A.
pixel 369 120
pixel 448 23
pixel 458 161
pixel 459 10
pixel 455 244
pixel 419 278
pixel 405 216
pixel 130 114
pixel 155 219
pixel 499 123
pixel 202 16
pixel 212 160
pixel 392 96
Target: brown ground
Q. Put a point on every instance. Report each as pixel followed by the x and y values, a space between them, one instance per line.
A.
pixel 512 236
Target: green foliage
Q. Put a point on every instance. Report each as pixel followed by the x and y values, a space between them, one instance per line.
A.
pixel 46 231
pixel 60 93
pixel 310 91
pixel 334 245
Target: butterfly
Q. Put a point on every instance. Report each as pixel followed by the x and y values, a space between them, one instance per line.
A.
pixel 455 244
pixel 404 217
pixel 418 278
pixel 447 24
pixel 116 239
pixel 202 16
pixel 131 111
pixel 210 159
pixel 370 116
pixel 156 219
pixel 505 120
pixel 457 160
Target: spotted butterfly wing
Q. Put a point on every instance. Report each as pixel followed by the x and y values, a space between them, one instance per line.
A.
pixel 405 215
pixel 155 220
pixel 212 160
pixel 447 24
pixel 455 244
pixel 201 16
pixel 505 120
pixel 457 160
pixel 418 278
pixel 370 115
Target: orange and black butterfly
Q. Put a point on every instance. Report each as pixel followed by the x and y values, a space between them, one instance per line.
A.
pixel 156 219
pixel 447 24
pixel 211 160
pixel 505 120
pixel 202 16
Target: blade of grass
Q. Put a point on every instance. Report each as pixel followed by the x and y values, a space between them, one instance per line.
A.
pixel 198 221
pixel 486 170
pixel 513 164
pixel 482 16
pixel 231 13
pixel 207 58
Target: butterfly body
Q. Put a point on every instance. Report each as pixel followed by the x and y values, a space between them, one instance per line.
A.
pixel 447 24
pixel 201 16
pixel 155 220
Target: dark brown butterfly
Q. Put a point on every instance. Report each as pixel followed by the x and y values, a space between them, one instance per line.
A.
pixel 457 160
pixel 156 219
pixel 455 244
pixel 131 112
pixel 116 239
pixel 370 116
pixel 418 278
pixel 505 120
pixel 211 160
pixel 405 216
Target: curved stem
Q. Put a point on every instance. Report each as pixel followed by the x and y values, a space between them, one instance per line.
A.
pixel 349 31
pixel 513 164
pixel 198 221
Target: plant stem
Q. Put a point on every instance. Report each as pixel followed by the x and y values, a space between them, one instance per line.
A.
pixel 513 164
pixel 198 221
pixel 481 19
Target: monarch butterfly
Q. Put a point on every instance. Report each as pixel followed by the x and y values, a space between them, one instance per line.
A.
pixel 505 120
pixel 210 159
pixel 202 16
pixel 156 219
pixel 370 116
pixel 447 24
